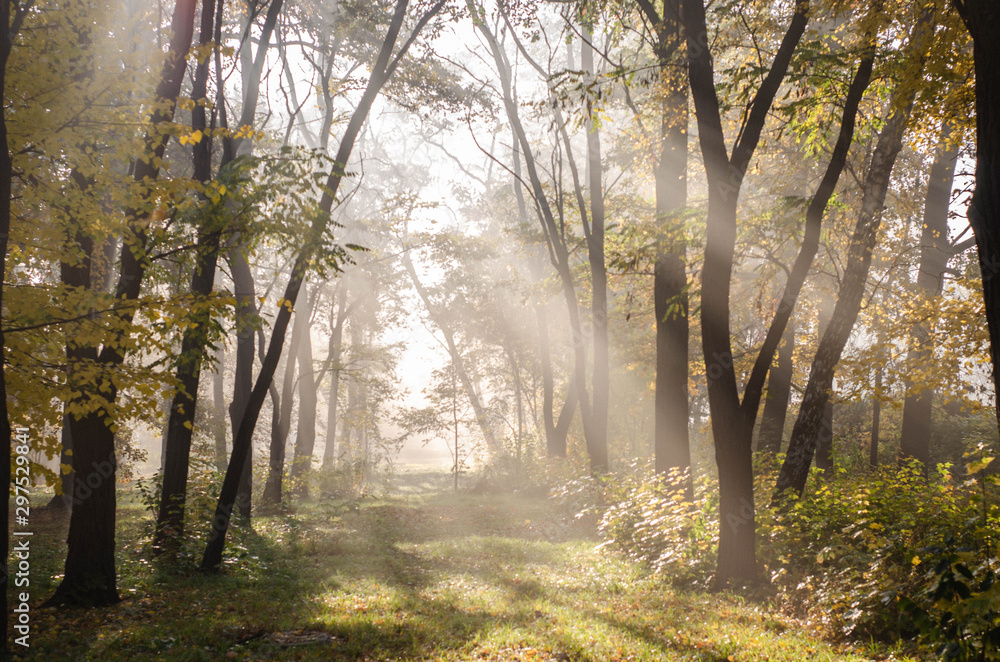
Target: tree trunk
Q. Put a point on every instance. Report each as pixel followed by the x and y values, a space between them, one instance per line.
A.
pixel 218 412
pixel 810 431
pixel 732 428
pixel 670 292
pixel 305 435
pixel 281 421
pixel 89 577
pixel 180 425
pixel 824 450
pixel 779 387
pixel 915 436
pixel 381 72
pixel 334 354
pixel 983 22
pixel 246 313
pixel 597 436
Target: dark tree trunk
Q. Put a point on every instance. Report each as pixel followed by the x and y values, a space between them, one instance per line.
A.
pixel 732 428
pixel 6 177
pixel 670 293
pixel 381 72
pixel 219 413
pixel 89 577
pixel 810 431
pixel 246 312
pixel 180 425
pixel 305 435
pixel 824 450
pixel 982 18
pixel 935 250
pixel 779 387
pixel 281 420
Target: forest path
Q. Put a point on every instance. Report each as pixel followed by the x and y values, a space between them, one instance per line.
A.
pixel 421 573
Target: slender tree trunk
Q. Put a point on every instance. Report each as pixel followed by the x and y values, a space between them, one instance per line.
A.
pixel 670 292
pixel 381 72
pixel 246 312
pixel 305 436
pixel 915 436
pixel 281 421
pixel 809 426
pixel 180 425
pixel 218 413
pixel 6 177
pixel 824 449
pixel 779 387
pixel 89 577
pixel 334 354
pixel 597 439
pixel 440 320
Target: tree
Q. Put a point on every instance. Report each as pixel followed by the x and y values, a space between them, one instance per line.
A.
pixel 732 420
pixel 382 70
pixel 981 18
pixel 90 577
pixel 809 425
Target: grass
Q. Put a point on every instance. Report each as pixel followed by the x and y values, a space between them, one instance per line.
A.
pixel 418 574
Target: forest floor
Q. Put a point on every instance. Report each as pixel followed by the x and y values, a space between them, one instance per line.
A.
pixel 419 573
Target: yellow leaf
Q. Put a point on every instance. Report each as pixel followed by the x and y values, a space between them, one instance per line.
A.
pixel 188 425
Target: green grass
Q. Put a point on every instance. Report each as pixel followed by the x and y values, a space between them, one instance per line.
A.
pixel 420 574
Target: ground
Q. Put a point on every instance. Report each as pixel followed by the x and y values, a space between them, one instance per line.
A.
pixel 418 573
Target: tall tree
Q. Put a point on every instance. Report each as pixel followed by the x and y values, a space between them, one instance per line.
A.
pixel 90 577
pixel 670 290
pixel 382 70
pixel 809 425
pixel 982 18
pixel 733 420
pixel 935 251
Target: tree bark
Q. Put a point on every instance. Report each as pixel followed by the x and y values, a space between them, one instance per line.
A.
pixel 982 19
pixel 281 421
pixel 305 435
pixel 730 429
pixel 779 388
pixel 670 292
pixel 935 250
pixel 809 426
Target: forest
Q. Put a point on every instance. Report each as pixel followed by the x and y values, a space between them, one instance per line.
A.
pixel 502 330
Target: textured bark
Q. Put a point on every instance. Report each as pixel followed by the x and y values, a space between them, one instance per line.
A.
pixel 89 577
pixel 982 17
pixel 809 431
pixel 935 250
pixel 779 387
pixel 382 70
pixel 824 449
